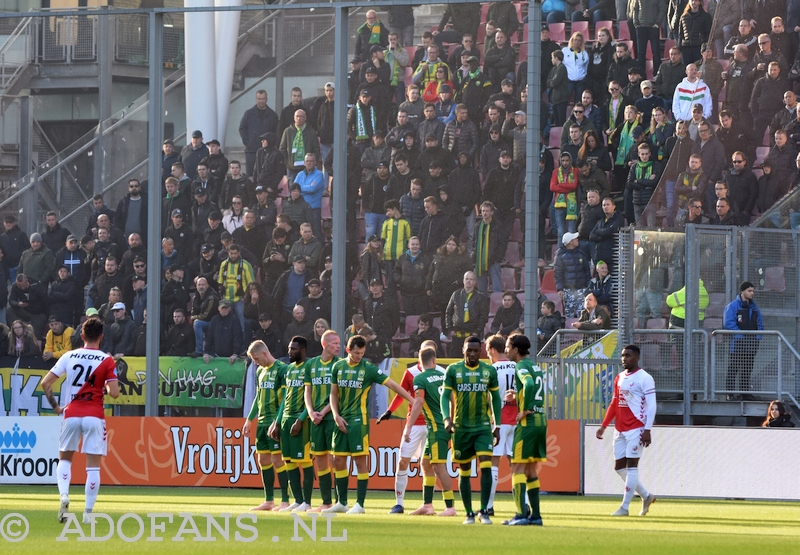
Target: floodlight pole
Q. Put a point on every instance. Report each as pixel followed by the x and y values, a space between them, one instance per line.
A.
pixel 155 117
pixel 339 209
pixel 532 171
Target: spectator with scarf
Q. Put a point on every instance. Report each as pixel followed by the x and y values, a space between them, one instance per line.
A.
pixel 564 185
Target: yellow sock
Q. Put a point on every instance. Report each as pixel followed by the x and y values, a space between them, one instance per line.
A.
pixel 324 471
pixel 465 473
pixel 291 466
pixel 486 464
pixel 266 466
pixel 429 481
pixel 363 476
pixel 533 484
pixel 280 469
pixel 305 465
pixel 340 473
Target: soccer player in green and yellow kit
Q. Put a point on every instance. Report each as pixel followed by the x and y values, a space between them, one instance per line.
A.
pixel 317 398
pixel 291 426
pixel 530 433
pixel 428 386
pixel 351 381
pixel 270 389
pixel 472 382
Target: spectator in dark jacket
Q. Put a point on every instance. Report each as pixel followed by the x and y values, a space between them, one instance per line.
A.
pixel 174 295
pixel 64 297
pixel 604 233
pixel 14 242
pixel 410 275
pixel 456 325
pixel 548 324
pixel 381 313
pixel 118 341
pixel 54 236
pixel 179 340
pixel 204 307
pixel 499 60
pixel 572 274
pixel 131 215
pixel 270 165
pixel 508 316
pixel 434 228
pixel 412 206
pixel 224 337
pixel 256 121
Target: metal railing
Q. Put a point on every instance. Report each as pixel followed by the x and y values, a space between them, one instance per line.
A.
pixel 68 39
pixel 16 53
pixel 764 359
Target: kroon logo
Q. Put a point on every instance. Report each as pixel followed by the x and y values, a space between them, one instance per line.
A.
pixel 15 442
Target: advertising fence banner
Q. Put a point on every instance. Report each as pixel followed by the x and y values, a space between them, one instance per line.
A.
pixel 214 452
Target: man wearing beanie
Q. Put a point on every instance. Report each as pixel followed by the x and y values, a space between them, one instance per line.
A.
pixel 38 261
pixel 742 314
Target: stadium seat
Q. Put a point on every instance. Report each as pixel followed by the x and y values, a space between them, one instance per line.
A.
pixel 761 154
pixel 555 136
pixel 411 324
pixel 516 231
pixel 326 208
pixel 495 302
pixel 279 204
pixel 668 43
pixel 648 68
pixel 775 279
pixel 509 279
pixel 556 298
pixel 716 305
pixel 283 187
pixel 629 42
pixel 605 24
pixel 581 27
pixel 361 230
pixel 558 32
pixel 549 281
pixel 624 32
pixel 512 252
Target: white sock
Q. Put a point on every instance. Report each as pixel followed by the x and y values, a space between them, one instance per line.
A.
pixel 640 489
pixel 64 476
pixel 400 483
pixel 495 474
pixel 92 487
pixel 631 481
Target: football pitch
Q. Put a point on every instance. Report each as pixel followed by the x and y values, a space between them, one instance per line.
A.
pixel 571 525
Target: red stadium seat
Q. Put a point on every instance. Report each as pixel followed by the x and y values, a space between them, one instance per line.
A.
pixel 495 302
pixel 605 24
pixel 581 27
pixel 512 252
pixel 558 32
pixel 624 32
pixel 509 279
pixel 549 281
pixel 555 136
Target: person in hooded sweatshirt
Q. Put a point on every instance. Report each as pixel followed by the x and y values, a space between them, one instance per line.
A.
pixel 508 316
pixel 14 242
pixel 270 165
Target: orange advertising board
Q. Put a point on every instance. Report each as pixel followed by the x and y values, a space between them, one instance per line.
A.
pixel 213 452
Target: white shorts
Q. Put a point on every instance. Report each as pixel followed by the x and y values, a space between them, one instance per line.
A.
pixel 414 449
pixel 628 445
pixel 92 429
pixel 505 446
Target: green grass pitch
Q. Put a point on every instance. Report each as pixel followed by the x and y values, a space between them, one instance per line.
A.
pixel 572 525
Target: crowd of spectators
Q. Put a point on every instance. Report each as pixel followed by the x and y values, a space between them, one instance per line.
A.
pixel 435 185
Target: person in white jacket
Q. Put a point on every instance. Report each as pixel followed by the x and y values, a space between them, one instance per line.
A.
pixel 576 61
pixel 692 90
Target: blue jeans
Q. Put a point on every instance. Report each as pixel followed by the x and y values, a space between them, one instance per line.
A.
pixel 373 223
pixel 200 329
pixel 554 17
pixel 648 301
pixel 494 275
pixel 576 88
pixel 238 309
pixel 323 150
pixel 559 215
pixel 448 35
pixel 590 247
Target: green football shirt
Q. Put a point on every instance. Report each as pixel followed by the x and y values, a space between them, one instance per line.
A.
pixel 270 391
pixel 318 376
pixel 529 380
pixel 294 401
pixel 431 381
pixel 354 383
pixel 472 388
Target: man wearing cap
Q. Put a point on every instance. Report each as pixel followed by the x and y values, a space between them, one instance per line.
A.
pixel 291 287
pixel 53 235
pixel 174 294
pixel 461 134
pixel 379 93
pixel 433 153
pixel 38 262
pixel 213 234
pixel 235 274
pixel 180 340
pixel 742 314
pixel 168 157
pixel 118 341
pixel 445 105
pixel 376 62
pixel 193 153
pixel 648 102
pixel 182 236
pixel 381 314
pixel 57 342
pixel 266 212
pixel 472 89
pixel 632 90
pixel 73 258
pixel 353 80
pixel 572 273
pixel 14 242
pixel 216 161
pixel 515 130
pixel 492 147
pixel 362 120
pixel 298 140
pixel 256 121
pixel 499 61
pixel 500 189
pixel 64 297
pixel 505 100
pixel 374 194
pixel 435 180
pixel 312 186
pixel 202 208
pixel 131 214
pixel 225 337
pixel 136 266
pixel 206 265
pixel 315 304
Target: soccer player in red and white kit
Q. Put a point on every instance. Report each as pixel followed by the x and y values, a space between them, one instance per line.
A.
pixel 419 433
pixel 90 373
pixel 496 351
pixel 633 410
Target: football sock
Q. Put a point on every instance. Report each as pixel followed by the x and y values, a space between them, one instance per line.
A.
pixel 533 498
pixel 518 488
pixel 361 488
pixel 640 489
pixel 325 485
pixel 486 483
pixel 465 488
pixel 448 498
pixel 283 482
pixel 495 475
pixel 64 471
pixel 400 483
pixel 92 487
pixel 268 479
pixel 428 484
pixel 341 477
pixel 308 481
pixel 631 481
pixel 293 471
